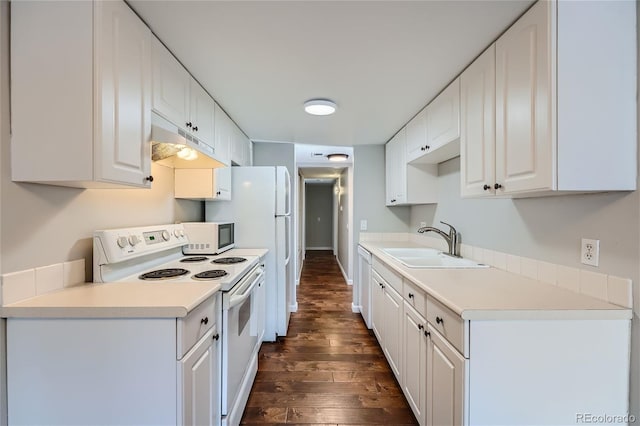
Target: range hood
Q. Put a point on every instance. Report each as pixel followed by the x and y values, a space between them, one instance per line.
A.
pixel 169 143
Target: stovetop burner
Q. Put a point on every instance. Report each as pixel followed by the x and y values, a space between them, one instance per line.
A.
pixel 194 259
pixel 164 274
pixel 229 260
pixel 210 275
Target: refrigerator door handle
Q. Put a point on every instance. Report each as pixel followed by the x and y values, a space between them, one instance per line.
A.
pixel 287 192
pixel 287 224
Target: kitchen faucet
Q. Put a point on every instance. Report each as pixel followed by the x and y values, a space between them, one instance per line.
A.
pixel 451 238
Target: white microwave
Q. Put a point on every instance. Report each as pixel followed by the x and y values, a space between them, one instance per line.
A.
pixel 209 237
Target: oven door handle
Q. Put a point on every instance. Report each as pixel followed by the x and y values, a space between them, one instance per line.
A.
pixel 237 299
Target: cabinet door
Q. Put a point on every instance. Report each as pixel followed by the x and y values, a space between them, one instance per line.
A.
pixel 392 311
pixel 414 361
pixel 443 117
pixel 445 382
pixel 198 371
pixel 477 130
pixel 417 136
pixel 525 153
pixel 170 86
pixel 223 135
pixel 377 308
pixel 123 95
pixel 201 114
pixel 396 169
pixel 222 180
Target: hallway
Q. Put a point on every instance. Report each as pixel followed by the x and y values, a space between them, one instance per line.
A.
pixel 329 369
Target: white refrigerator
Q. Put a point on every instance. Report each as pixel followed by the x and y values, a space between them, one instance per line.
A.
pixel 260 206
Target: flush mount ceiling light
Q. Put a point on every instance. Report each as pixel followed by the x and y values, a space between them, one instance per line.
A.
pixel 320 107
pixel 337 157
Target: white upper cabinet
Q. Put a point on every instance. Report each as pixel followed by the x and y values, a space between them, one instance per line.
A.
pixel 224 134
pixel 171 86
pixel 524 141
pixel 407 184
pixel 240 148
pixel 478 129
pixel 565 100
pixel 203 184
pixel 180 99
pixel 433 136
pixel 443 125
pixel 417 136
pixel 80 101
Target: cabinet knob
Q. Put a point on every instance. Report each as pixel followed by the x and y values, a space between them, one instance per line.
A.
pixel 216 336
pixel 420 326
pixel 393 201
pixel 195 128
pixel 439 320
pixel 486 187
pixel 427 333
pixel 218 193
pixel 204 320
pixel 427 147
pixel 188 124
pixel 410 295
pixel 149 178
pixel 497 186
pixel 422 148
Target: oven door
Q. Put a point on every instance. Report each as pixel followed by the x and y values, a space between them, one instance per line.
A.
pixel 240 334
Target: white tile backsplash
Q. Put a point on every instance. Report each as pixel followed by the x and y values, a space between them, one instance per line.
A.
pixel 73 273
pixel 529 267
pixel 593 284
pixel 619 291
pixel 513 263
pixel 547 272
pixel 609 288
pixel 568 278
pixel 18 286
pixel 49 278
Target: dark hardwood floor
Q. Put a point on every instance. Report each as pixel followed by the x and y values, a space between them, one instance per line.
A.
pixel 329 369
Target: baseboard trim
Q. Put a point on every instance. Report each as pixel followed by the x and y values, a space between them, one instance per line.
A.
pixel 319 248
pixel 344 274
pixel 356 309
pixel 294 307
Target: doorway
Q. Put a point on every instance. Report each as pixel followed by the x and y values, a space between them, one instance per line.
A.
pixel 319 215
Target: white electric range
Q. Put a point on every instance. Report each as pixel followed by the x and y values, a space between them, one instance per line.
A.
pixel 154 254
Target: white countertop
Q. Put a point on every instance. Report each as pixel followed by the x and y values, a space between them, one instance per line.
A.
pixel 121 299
pixel 492 294
pixel 115 300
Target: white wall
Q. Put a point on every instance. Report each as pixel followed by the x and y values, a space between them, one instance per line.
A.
pixel 343 223
pixel 4 135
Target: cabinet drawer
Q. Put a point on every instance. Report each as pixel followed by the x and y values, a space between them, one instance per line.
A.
pixel 393 279
pixel 415 297
pixel 195 325
pixel 443 319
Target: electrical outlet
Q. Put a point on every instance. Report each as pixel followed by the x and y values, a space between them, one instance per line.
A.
pixel 590 252
pixel 363 225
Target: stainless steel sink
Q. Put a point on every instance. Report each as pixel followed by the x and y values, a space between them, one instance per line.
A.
pixel 420 257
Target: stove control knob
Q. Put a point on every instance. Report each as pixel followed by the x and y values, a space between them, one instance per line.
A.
pixel 133 240
pixel 122 242
pixel 181 233
pixel 166 235
pixel 176 233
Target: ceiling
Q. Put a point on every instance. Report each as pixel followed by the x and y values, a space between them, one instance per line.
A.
pixel 380 61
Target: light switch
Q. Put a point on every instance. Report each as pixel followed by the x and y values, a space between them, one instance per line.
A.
pixel 363 225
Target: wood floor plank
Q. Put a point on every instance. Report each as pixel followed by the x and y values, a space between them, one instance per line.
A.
pixel 329 370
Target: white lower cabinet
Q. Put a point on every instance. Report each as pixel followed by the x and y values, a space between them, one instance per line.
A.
pixel 200 376
pixel 414 361
pixel 497 370
pixel 126 371
pixel 445 377
pixel 387 321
